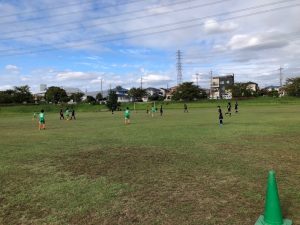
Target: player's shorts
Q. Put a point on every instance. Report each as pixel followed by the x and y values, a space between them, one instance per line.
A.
pixel 42 121
pixel 127 117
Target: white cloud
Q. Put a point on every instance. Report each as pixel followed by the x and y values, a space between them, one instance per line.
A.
pixel 256 42
pixel 63 76
pixel 156 79
pixel 12 69
pixel 5 87
pixel 211 26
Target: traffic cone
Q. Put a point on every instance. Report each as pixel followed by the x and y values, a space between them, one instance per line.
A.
pixel 272 215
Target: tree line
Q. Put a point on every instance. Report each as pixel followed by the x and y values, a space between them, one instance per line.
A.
pixel 186 92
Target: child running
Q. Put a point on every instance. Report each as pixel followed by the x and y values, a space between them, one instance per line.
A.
pixel 67 114
pixel 228 109
pixel 73 114
pixel 61 115
pixel 34 116
pixel 236 107
pixel 127 116
pixel 220 116
pixel 153 111
pixel 185 108
pixel 42 120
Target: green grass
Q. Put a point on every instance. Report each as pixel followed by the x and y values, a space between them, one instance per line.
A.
pixel 176 169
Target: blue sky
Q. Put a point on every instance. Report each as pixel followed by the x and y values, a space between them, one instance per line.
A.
pixel 79 43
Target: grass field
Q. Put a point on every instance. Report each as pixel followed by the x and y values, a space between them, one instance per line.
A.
pixel 179 169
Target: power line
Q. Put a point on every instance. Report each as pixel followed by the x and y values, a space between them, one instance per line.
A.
pixel 44 9
pixel 150 33
pixel 205 17
pixel 226 53
pixel 67 13
pixel 98 18
pixel 110 22
pixel 102 17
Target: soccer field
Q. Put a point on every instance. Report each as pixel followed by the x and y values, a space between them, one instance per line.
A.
pixel 178 169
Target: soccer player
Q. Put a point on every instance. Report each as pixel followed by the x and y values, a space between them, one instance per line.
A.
pixel 185 108
pixel 61 114
pixel 220 115
pixel 153 111
pixel 67 114
pixel 236 107
pixel 34 116
pixel 127 116
pixel 161 110
pixel 42 124
pixel 228 109
pixel 112 109
pixel 73 114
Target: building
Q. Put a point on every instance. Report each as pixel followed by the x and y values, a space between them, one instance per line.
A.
pixel 40 96
pixel 170 92
pixel 253 87
pixel 122 94
pixel 218 89
pixel 153 91
pixel 272 88
pixel 163 91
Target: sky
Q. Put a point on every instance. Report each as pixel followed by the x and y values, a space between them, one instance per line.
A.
pixel 83 43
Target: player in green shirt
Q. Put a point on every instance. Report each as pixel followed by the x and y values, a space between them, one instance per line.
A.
pixel 42 124
pixel 153 110
pixel 127 116
pixel 67 113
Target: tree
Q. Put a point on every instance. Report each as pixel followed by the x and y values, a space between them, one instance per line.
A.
pixel 22 94
pixel 76 97
pixel 188 91
pixel 270 93
pixel 112 100
pixel 7 97
pixel 90 99
pixel 156 97
pixel 99 97
pixel 56 95
pixel 19 94
pixel 241 90
pixel 292 86
pixel 137 93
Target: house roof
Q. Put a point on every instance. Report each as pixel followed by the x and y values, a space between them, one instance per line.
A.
pixel 272 86
pixel 250 82
pixel 120 89
pixel 152 89
pixel 225 76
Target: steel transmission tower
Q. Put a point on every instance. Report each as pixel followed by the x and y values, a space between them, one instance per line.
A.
pixel 179 67
pixel 280 76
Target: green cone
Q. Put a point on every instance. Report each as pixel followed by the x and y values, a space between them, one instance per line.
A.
pixel 272 215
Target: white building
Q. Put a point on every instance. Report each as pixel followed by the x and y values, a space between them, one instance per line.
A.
pixel 219 85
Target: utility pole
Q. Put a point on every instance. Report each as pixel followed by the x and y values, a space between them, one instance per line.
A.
pixel 101 87
pixel 179 67
pixel 280 76
pixel 210 90
pixel 197 79
pixel 141 82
